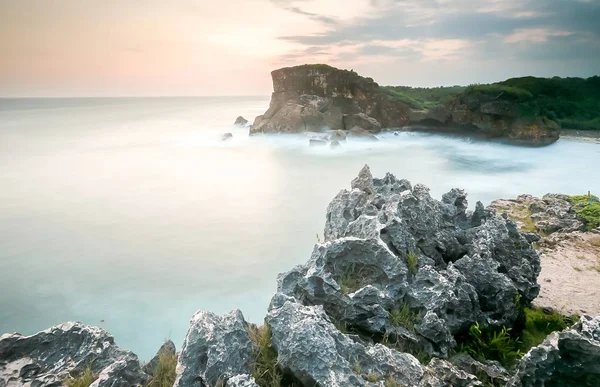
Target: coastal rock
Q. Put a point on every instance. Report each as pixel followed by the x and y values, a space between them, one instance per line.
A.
pixel 441 373
pixel 241 381
pixel 314 142
pixel 315 352
pixel 390 246
pixel 363 121
pixel 567 358
pixel 226 136
pixel 358 132
pixel 49 357
pixel 215 349
pixel 493 371
pixel 334 144
pixel 240 121
pixel 337 135
pixel 168 348
pixel 316 97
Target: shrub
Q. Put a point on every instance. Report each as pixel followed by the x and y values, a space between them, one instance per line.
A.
pixel 164 374
pixel 264 367
pixel 498 345
pixel 84 380
pixel 587 209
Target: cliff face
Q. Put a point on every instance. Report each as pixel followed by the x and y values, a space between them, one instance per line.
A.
pixel 489 117
pixel 312 98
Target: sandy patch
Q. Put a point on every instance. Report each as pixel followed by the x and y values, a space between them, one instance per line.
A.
pixel 570 276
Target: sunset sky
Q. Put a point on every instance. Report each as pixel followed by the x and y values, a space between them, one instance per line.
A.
pixel 229 47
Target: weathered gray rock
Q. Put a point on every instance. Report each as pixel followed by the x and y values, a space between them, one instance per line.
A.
pixel 315 352
pixel 361 133
pixel 363 121
pixel 240 121
pixel 168 348
pixel 494 373
pixel 567 358
pixel 441 373
pixel 226 136
pixel 49 357
pixel 241 381
pixel 215 349
pixel 466 267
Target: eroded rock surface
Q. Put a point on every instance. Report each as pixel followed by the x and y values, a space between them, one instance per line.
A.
pixel 390 246
pixel 49 357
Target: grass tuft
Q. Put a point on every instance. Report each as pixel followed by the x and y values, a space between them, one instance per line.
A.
pixel 164 374
pixel 84 380
pixel 412 263
pixel 539 324
pixel 595 241
pixel 264 368
pixel 350 281
pixel 404 317
pixel 588 210
pixel 484 344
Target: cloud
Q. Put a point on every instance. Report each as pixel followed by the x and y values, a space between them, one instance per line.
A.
pixel 536 35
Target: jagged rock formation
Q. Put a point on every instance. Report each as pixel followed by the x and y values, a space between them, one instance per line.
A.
pixel 314 98
pixel 52 356
pixel 568 358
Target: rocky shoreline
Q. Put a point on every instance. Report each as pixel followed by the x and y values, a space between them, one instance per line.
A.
pixel 405 290
pixel 316 98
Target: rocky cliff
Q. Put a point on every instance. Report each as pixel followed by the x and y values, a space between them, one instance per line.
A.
pixel 311 98
pixel 314 98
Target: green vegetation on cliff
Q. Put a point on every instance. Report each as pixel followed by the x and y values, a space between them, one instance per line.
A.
pixel 573 103
pixel 588 209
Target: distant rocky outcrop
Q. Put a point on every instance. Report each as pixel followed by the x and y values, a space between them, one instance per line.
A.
pixel 50 357
pixel 240 121
pixel 314 98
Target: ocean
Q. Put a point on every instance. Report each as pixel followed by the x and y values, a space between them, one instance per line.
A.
pixel 132 214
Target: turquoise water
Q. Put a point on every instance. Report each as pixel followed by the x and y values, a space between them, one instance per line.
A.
pixel 131 214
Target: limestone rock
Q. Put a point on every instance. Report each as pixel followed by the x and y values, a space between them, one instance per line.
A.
pixel 215 349
pixel 391 246
pixel 315 352
pixel 49 357
pixel 567 358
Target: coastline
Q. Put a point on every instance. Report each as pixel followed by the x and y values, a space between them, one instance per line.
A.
pixel 580 135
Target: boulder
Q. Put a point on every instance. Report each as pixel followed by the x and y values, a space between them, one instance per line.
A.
pixel 240 121
pixel 168 348
pixel 363 121
pixel 360 133
pixel 226 136
pixel 334 144
pixel 49 357
pixel 337 135
pixel 390 246
pixel 314 352
pixel 567 358
pixel 215 349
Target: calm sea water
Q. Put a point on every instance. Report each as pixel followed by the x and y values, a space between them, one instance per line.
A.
pixel 131 214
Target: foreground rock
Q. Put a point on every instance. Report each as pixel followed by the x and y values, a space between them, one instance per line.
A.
pixel 56 354
pixel 568 358
pixel 391 247
pixel 215 350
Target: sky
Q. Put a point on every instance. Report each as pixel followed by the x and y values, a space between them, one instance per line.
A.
pixel 229 47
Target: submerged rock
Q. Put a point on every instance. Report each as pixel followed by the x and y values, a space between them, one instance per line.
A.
pixel 314 142
pixel 49 357
pixel 216 348
pixel 358 132
pixel 240 121
pixel 226 136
